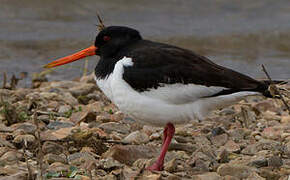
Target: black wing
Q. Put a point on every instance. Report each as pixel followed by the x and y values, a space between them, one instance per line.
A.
pixel 163 64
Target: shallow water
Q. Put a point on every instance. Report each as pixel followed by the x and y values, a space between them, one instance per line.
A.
pixel 238 34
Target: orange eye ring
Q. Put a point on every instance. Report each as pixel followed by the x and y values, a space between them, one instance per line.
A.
pixel 106 38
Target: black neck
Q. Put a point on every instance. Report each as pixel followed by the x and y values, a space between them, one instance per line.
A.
pixel 107 61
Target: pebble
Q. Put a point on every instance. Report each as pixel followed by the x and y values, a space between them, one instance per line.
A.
pixel 27 128
pixel 183 147
pixel 51 158
pixel 272 133
pixel 285 119
pixel 207 176
pixel 136 137
pixel 219 140
pixel 62 110
pixel 231 146
pixel 171 166
pixel 235 170
pixel 130 153
pixel 10 157
pixel 113 126
pixel 55 125
pixel 25 140
pixel 217 131
pixel 275 161
pixel 52 147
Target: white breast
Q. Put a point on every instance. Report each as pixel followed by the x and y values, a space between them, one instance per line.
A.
pixel 172 103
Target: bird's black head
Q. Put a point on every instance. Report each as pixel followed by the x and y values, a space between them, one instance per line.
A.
pixel 113 38
pixel 108 43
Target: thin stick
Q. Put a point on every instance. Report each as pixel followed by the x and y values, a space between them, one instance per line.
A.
pixel 4 80
pixel 40 153
pixel 101 26
pixel 275 88
pixel 85 70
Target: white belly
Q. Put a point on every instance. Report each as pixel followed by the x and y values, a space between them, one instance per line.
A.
pixel 171 105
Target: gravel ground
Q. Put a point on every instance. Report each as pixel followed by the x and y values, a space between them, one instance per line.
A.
pixel 69 130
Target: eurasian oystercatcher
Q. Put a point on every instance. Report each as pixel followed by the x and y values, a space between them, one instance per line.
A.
pixel 160 84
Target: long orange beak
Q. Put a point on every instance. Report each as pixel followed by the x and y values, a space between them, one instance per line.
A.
pixel 74 57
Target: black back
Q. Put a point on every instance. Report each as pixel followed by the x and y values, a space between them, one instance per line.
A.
pixel 156 64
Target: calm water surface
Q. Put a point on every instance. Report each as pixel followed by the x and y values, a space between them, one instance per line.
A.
pixel 238 34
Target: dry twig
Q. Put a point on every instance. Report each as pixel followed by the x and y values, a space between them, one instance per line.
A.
pixel 275 88
pixel 40 153
pixel 101 25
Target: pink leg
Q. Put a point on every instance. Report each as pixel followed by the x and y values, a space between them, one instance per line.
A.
pixel 168 134
pixel 164 134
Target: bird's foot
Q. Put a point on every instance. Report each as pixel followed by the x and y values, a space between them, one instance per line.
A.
pixel 155 167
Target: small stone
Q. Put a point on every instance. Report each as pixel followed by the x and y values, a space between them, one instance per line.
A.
pixel 55 125
pixel 227 111
pixel 171 166
pixel 80 158
pixel 275 161
pixel 231 146
pixel 217 131
pixel 251 149
pixel 207 176
pixel 110 164
pixel 17 176
pixel 60 134
pixel 236 170
pixel 228 177
pixel 44 118
pixel 152 177
pixel 202 140
pixel 82 89
pixel 182 147
pixel 10 157
pixel 25 140
pixel 155 136
pixel 268 173
pixel 58 167
pixel 128 173
pixel 136 137
pixel 264 106
pixel 130 153
pixel 219 140
pixel 64 109
pixel 51 158
pixel 272 133
pixel 255 176
pixel 113 126
pixel 285 119
pixel 52 147
pixel 28 128
pixel 237 134
pixel 259 163
pixel 69 99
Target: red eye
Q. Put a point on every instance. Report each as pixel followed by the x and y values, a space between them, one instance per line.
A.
pixel 106 38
